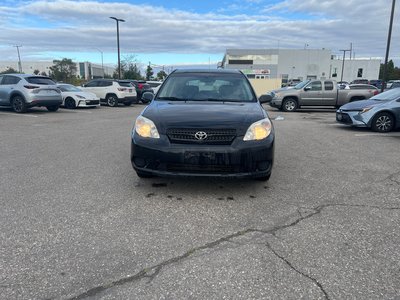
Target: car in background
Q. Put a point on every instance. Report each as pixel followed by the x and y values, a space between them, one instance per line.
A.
pixel 372 90
pixel 141 87
pixel 390 82
pixel 22 91
pixel 360 81
pixel 112 91
pixel 155 85
pixel 381 113
pixel 395 84
pixel 204 123
pixel 377 83
pixel 74 97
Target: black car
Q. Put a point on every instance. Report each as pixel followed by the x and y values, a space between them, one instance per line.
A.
pixel 141 87
pixel 204 123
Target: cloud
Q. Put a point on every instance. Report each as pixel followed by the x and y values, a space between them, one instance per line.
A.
pixel 74 26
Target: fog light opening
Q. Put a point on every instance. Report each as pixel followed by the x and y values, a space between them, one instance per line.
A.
pixel 263 165
pixel 140 162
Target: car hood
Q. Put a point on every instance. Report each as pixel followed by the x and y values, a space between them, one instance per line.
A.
pixel 87 95
pixel 192 114
pixel 360 105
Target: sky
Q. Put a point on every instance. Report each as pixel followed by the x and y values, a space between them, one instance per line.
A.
pixel 197 32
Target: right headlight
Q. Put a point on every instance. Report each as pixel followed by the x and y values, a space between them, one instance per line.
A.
pixel 259 130
pixel 146 128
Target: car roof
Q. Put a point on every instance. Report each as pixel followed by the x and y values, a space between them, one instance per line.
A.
pixel 213 71
pixel 26 75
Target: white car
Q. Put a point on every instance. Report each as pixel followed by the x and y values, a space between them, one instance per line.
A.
pixel 74 97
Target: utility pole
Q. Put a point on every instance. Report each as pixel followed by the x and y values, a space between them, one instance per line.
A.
pixel 344 56
pixel 119 58
pixel 388 47
pixel 19 59
pixel 102 64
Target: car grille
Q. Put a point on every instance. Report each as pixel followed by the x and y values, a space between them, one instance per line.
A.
pixel 206 169
pixel 343 118
pixel 214 136
pixel 92 102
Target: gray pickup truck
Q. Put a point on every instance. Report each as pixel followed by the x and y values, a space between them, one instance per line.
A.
pixel 317 93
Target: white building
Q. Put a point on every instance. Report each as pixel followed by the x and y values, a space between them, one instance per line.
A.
pixel 86 70
pixel 301 64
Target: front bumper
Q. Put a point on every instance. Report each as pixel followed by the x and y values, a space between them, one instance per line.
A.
pixel 276 102
pixel 46 102
pixel 352 118
pixel 240 159
pixel 88 103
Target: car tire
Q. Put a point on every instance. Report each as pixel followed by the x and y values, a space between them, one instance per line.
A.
pixel 289 105
pixel 18 104
pixel 53 107
pixel 128 103
pixel 383 122
pixel 141 174
pixel 112 100
pixel 70 103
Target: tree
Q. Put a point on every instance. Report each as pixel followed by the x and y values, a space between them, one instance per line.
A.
pixel 161 75
pixel 43 73
pixel 36 72
pixel 149 72
pixel 390 71
pixel 9 70
pixel 129 68
pixel 63 70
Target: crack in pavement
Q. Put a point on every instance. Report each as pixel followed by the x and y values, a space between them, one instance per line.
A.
pixel 152 272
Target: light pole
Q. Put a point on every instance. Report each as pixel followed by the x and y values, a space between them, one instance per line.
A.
pixel 119 58
pixel 102 64
pixel 344 56
pixel 388 47
pixel 19 59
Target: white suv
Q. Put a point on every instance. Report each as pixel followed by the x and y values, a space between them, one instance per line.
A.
pixel 112 92
pixel 22 91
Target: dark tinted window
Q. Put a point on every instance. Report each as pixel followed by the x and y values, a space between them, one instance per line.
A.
pixel 105 83
pixel 395 85
pixel 11 80
pixel 40 80
pixel 328 85
pixel 125 83
pixel 1 78
pixel 92 83
pixel 240 62
pixel 316 86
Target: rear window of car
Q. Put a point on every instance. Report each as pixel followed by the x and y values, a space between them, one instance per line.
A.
pixel 125 83
pixel 199 86
pixel 40 80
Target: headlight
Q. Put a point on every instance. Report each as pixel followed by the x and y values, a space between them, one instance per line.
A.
pixel 258 130
pixel 146 128
pixel 366 109
pixel 80 97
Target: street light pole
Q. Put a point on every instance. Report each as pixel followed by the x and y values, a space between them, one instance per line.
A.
pixel 388 47
pixel 119 58
pixel 102 64
pixel 19 59
pixel 344 56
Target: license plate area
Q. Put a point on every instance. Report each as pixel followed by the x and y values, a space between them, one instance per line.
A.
pixel 203 158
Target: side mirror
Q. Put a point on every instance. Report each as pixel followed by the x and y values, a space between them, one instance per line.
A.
pixel 265 98
pixel 147 97
pixel 307 88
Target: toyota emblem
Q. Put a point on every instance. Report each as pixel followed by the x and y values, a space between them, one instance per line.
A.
pixel 200 135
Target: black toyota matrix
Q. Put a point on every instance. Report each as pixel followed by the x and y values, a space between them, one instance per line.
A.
pixel 204 123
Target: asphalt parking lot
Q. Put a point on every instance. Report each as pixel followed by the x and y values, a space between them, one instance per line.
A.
pixel 77 223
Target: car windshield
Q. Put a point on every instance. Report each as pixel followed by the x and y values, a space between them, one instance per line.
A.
pixel 69 88
pixel 300 85
pixel 40 80
pixel 207 86
pixel 387 96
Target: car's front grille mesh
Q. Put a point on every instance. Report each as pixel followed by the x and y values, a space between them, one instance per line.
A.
pixel 221 169
pixel 214 136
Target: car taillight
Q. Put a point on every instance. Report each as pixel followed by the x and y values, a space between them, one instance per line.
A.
pixel 122 89
pixel 140 86
pixel 376 92
pixel 31 87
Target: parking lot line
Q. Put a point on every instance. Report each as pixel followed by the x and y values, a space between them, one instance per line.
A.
pixel 377 134
pixel 20 115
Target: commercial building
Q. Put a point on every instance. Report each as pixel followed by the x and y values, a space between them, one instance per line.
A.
pixel 278 66
pixel 85 70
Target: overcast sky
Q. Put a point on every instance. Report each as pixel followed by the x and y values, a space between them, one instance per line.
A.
pixel 190 32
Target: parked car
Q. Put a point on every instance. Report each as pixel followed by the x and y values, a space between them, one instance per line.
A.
pixel 390 82
pixel 395 84
pixel 204 123
pixel 360 81
pixel 377 83
pixel 371 89
pixel 141 87
pixel 316 93
pixel 381 112
pixel 22 91
pixel 74 97
pixel 112 92
pixel 155 85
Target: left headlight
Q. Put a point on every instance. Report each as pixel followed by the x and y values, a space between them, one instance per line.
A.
pixel 146 128
pixel 258 130
pixel 80 97
pixel 366 109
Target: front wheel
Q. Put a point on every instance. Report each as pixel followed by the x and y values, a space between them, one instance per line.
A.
pixel 18 104
pixel 289 105
pixel 53 108
pixel 383 122
pixel 112 100
pixel 70 103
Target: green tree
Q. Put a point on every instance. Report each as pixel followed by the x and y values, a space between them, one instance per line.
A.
pixel 63 70
pixel 36 72
pixel 390 71
pixel 161 75
pixel 43 73
pixel 149 72
pixel 9 70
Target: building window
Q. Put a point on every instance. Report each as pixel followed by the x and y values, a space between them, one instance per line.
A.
pixel 240 61
pixel 359 73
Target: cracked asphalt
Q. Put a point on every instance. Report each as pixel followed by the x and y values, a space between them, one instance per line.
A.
pixel 77 223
